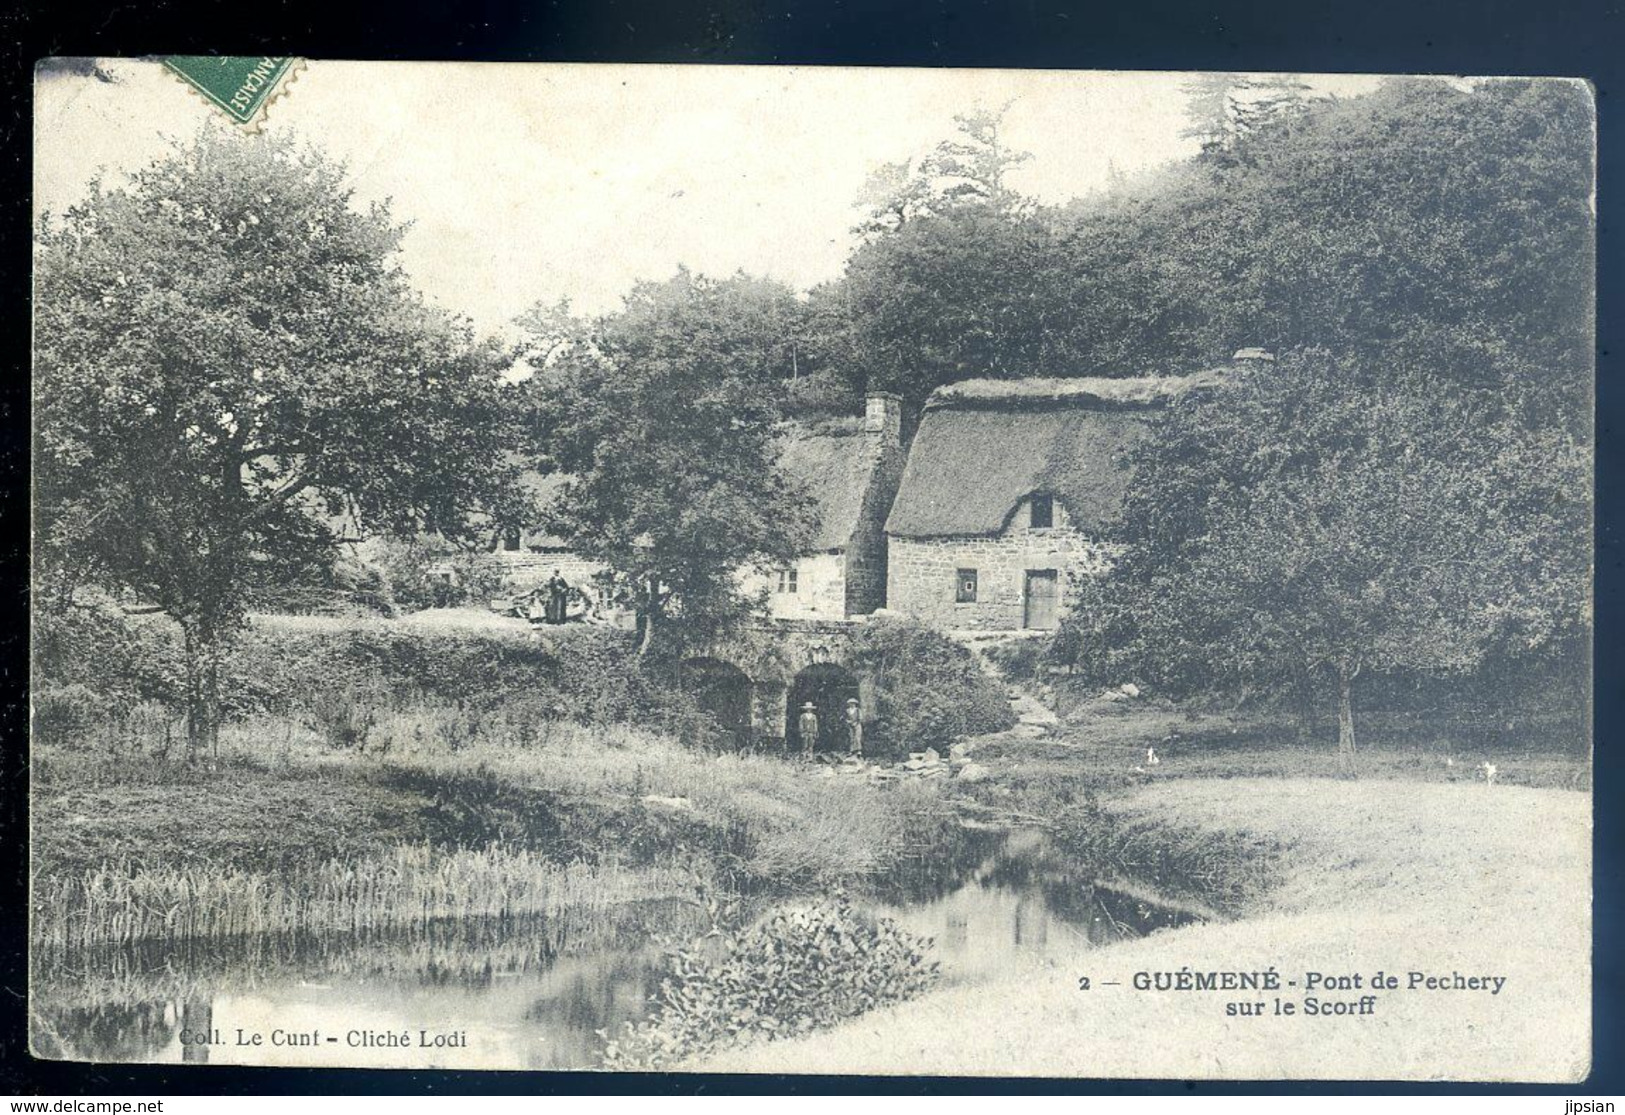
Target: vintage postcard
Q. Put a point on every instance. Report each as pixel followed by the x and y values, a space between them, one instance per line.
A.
pixel 755 569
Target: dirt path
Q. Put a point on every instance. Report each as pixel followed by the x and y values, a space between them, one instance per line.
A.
pixel 1397 876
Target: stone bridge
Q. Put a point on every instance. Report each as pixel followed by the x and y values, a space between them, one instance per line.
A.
pixel 757 682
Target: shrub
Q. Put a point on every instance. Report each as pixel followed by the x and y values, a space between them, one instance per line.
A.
pixel 121 659
pixel 821 394
pixel 1019 659
pixel 589 675
pixel 66 712
pixel 929 690
pixel 345 717
pixel 800 969
pixel 408 571
pixel 343 678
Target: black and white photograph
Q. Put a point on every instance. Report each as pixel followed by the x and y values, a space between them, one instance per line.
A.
pixel 812 570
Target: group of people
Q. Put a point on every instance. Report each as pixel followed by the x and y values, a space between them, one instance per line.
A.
pixel 807 727
pixel 550 603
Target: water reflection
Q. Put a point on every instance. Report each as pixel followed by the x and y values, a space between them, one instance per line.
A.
pixel 525 993
pixel 1006 899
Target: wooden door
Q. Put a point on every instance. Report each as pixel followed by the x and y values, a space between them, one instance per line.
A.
pixel 1043 600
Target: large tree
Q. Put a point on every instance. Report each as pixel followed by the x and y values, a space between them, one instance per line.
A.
pixel 666 417
pixel 228 356
pixel 1326 516
pixel 1415 496
pixel 967 170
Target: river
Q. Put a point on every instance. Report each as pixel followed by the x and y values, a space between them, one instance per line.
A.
pixel 529 993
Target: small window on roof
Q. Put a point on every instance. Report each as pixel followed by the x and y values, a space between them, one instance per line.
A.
pixel 965 590
pixel 1043 511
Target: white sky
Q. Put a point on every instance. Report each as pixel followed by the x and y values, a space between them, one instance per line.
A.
pixel 528 183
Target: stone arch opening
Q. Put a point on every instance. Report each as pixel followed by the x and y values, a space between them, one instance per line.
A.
pixel 723 691
pixel 827 687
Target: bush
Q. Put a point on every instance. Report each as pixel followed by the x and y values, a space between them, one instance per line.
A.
pixel 1019 659
pixel 63 713
pixel 822 394
pixel 800 969
pixel 121 659
pixel 93 666
pixel 588 675
pixel 929 690
pixel 409 573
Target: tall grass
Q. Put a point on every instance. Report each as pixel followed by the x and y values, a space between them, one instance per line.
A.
pixel 1225 871
pixel 413 885
pixel 467 952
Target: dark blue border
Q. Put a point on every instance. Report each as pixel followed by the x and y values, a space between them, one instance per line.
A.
pixel 1554 37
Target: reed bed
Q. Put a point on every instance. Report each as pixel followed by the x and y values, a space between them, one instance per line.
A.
pixel 413 885
pixel 467 953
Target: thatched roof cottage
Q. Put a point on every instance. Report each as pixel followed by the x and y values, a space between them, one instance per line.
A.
pixel 849 464
pixel 1008 492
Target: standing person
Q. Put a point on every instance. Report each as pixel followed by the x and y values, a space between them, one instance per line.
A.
pixel 807 727
pixel 854 727
pixel 536 608
pixel 558 595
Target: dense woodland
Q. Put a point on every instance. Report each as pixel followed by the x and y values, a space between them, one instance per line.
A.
pixel 227 360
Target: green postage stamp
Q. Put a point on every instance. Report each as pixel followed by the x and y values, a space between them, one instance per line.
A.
pixel 240 87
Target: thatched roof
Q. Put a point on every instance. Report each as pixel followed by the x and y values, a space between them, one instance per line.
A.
pixel 1090 391
pixel 985 445
pixel 835 460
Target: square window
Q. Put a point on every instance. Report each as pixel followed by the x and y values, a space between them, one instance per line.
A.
pixel 965 590
pixel 787 580
pixel 1043 511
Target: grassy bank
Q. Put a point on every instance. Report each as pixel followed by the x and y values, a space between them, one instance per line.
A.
pixel 1103 745
pixel 333 838
pixel 1389 875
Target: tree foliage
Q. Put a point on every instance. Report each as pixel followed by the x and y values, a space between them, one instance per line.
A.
pixel 1408 488
pixel 1320 517
pixel 966 170
pixel 666 417
pixel 1439 222
pixel 1225 109
pixel 228 357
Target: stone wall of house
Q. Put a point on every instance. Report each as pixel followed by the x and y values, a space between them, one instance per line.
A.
pixel 866 571
pixel 820 589
pixel 866 552
pixel 923 574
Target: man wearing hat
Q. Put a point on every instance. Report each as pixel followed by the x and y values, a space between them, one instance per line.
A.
pixel 807 726
pixel 854 727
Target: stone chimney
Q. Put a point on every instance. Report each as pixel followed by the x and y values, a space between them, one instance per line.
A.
pixel 883 415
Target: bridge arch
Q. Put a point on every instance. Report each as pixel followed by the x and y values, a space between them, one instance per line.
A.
pixel 822 688
pixel 787 663
pixel 723 691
